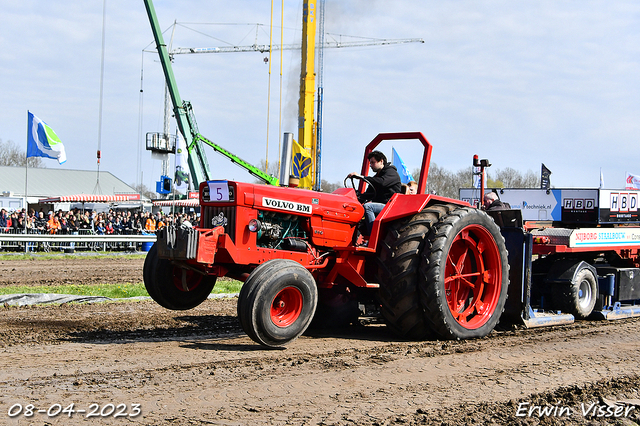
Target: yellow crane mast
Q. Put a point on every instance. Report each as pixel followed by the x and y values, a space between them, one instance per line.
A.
pixel 306 134
pixel 309 132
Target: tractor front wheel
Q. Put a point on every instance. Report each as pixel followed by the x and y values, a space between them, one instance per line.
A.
pixel 465 275
pixel 277 302
pixel 173 287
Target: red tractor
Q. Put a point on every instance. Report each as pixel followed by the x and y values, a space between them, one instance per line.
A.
pixel 433 266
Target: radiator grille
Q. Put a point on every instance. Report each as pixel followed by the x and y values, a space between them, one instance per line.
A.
pixel 221 216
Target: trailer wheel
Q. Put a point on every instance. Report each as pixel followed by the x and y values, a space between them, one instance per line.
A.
pixel 399 270
pixel 278 303
pixel 579 297
pixel 173 287
pixel 465 275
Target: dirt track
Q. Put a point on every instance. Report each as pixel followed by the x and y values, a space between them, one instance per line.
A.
pixel 79 269
pixel 197 367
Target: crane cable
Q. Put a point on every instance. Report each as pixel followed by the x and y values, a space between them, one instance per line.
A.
pixel 266 163
pixel 104 20
pixel 140 121
pixel 281 61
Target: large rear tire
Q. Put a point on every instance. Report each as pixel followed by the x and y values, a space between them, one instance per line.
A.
pixel 399 272
pixel 173 287
pixel 465 275
pixel 278 302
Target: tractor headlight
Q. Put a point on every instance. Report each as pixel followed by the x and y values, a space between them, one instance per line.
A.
pixel 254 225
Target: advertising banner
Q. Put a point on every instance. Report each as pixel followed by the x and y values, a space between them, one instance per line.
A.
pixel 536 204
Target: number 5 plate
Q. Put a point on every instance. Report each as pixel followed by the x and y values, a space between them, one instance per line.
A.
pixel 218 190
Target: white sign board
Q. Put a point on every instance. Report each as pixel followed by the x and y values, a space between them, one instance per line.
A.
pixel 535 204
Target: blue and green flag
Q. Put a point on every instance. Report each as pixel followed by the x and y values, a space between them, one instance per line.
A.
pixel 42 141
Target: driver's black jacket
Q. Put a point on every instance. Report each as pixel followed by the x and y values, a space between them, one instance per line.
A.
pixel 386 183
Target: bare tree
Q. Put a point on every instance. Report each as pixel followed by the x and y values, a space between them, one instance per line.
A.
pixel 446 183
pixel 12 155
pixel 144 190
pixel 329 187
pixel 511 178
pixel 273 170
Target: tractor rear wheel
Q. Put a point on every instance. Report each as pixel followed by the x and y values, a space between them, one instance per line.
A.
pixel 173 287
pixel 277 302
pixel 399 272
pixel 465 275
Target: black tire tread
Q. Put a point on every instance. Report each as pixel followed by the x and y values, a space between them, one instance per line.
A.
pixel 254 300
pixel 158 281
pixel 245 298
pixel 566 296
pixel 148 269
pixel 433 262
pixel 398 272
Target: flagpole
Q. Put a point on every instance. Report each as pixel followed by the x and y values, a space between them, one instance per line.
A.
pixel 26 183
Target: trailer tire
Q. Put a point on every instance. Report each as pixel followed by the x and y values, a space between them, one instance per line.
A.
pixel 465 275
pixel 578 297
pixel 399 272
pixel 173 287
pixel 279 303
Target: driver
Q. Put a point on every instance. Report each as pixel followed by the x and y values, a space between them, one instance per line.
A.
pixel 382 186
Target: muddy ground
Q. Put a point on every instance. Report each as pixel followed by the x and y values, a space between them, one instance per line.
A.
pixel 72 269
pixel 197 367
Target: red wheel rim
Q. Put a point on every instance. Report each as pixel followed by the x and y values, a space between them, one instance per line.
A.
pixel 286 307
pixel 186 279
pixel 473 277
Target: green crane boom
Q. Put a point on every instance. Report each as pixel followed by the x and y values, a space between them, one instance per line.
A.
pixel 183 111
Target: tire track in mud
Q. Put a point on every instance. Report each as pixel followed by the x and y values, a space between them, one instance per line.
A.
pixel 360 376
pixel 198 368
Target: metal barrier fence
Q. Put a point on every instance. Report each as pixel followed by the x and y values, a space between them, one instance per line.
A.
pixel 85 239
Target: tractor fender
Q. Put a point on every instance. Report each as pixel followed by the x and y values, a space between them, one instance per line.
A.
pixel 565 271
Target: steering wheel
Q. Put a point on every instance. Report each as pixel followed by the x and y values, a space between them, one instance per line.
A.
pixel 355 187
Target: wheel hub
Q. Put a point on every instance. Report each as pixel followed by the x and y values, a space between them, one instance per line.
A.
pixel 473 277
pixel 286 307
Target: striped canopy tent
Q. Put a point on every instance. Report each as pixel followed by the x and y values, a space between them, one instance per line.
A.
pixel 177 203
pixel 90 198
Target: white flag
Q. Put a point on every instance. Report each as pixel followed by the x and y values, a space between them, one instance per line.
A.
pixel 477 177
pixel 181 179
pixel 633 181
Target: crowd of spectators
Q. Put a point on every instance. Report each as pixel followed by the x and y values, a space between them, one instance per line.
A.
pixel 77 221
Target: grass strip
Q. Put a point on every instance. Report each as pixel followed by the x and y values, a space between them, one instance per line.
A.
pixel 49 256
pixel 114 291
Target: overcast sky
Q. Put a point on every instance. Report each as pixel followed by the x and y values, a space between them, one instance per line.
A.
pixel 518 82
